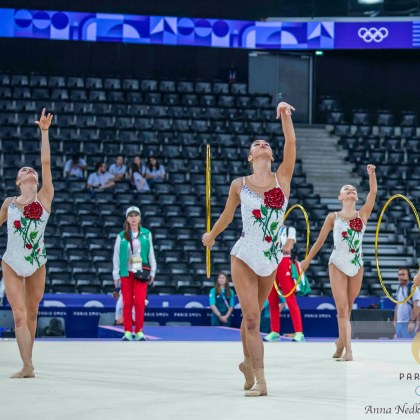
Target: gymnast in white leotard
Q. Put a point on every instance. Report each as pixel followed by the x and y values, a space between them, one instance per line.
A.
pixel 259 245
pixel 25 251
pixel 346 261
pixel 263 197
pixel 23 263
pixel 347 253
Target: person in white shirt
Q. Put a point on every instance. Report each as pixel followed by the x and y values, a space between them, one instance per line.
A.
pixel 405 314
pixel 285 283
pixel 118 169
pixel 155 171
pixel 134 267
pixel 101 179
pixel 138 180
pixel 75 167
pixel 142 166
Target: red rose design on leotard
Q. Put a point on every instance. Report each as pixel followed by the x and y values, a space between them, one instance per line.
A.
pixel 33 211
pixel 273 204
pixel 356 224
pixel 257 214
pixel 352 238
pixel 31 216
pixel 274 199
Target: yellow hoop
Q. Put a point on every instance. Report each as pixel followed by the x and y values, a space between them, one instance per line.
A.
pixel 378 226
pixel 308 235
pixel 208 207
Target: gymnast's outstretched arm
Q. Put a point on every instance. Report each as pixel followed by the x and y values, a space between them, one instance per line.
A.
pixel 227 215
pixel 46 193
pixel 367 208
pixel 326 229
pixel 287 167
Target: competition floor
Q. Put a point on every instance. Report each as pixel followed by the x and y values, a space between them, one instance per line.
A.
pixel 162 379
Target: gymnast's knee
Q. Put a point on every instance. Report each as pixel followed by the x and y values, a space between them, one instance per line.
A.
pixel 343 310
pixel 32 313
pixel 20 317
pixel 252 321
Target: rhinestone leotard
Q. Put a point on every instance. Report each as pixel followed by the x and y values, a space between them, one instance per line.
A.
pixel 347 255
pixel 25 251
pixel 259 245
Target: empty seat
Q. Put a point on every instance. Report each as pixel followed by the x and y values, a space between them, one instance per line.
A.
pixel 203 87
pixel 361 117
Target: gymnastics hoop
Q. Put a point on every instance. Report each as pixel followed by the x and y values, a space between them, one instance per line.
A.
pixel 308 236
pixel 208 207
pixel 378 226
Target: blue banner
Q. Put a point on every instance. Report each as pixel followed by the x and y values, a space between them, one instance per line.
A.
pixel 84 322
pixel 197 301
pixel 202 32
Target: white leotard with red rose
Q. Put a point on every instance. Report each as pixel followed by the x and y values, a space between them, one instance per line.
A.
pixel 347 255
pixel 262 217
pixel 25 251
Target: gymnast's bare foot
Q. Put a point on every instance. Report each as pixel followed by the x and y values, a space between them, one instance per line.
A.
pixel 26 372
pixel 246 369
pixel 339 352
pixel 347 357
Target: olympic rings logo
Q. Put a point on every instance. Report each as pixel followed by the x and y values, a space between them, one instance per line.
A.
pixel 373 34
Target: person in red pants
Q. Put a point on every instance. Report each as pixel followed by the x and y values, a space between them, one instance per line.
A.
pixel 285 282
pixel 133 253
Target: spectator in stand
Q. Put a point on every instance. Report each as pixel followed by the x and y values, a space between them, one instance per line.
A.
pixel 118 169
pixel 101 179
pixel 222 301
pixel 232 74
pixel 74 168
pixel 142 167
pixel 155 171
pixel 138 180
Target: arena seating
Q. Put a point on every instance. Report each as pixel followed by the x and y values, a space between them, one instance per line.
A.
pixel 174 120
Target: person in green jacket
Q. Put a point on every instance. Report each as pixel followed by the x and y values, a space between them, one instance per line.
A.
pixel 133 252
pixel 222 301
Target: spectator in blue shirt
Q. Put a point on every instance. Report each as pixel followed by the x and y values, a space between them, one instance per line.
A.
pixel 155 171
pixel 222 301
pixel 74 169
pixel 118 169
pixel 141 167
pixel 138 180
pixel 101 179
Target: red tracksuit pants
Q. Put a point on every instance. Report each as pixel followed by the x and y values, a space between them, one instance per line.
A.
pixel 133 294
pixel 285 282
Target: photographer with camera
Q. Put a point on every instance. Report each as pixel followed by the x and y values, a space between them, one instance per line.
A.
pixel 134 268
